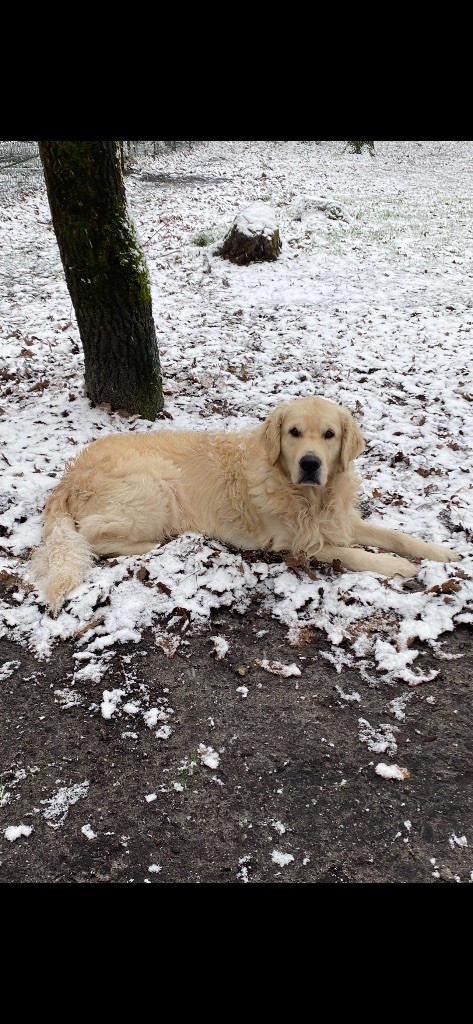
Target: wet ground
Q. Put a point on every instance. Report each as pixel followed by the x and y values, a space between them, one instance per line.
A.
pixel 243 776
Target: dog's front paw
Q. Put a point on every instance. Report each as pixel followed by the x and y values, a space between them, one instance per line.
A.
pixel 402 567
pixel 393 565
pixel 440 553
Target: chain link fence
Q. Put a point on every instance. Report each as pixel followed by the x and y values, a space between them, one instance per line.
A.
pixel 21 170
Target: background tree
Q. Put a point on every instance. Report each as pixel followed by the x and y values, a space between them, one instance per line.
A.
pixel 106 274
pixel 358 147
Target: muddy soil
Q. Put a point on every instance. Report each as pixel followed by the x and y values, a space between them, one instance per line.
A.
pixel 246 776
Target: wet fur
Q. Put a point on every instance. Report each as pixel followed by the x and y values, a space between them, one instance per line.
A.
pixel 126 493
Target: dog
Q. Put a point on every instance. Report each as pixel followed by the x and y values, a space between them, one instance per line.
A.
pixel 287 485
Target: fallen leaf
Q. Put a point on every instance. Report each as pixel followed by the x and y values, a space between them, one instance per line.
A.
pixel 299 636
pixel 444 588
pixel 276 668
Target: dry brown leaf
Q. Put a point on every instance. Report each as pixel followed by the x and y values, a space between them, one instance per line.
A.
pixel 444 588
pixel 164 589
pixel 299 637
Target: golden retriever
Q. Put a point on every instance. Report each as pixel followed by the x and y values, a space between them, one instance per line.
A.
pixel 286 485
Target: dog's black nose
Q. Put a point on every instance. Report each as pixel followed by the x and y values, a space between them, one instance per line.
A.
pixel 310 465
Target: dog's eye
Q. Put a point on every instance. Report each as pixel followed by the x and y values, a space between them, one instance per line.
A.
pixel 328 434
pixel 295 432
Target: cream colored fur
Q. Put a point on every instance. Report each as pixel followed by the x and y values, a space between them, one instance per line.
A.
pixel 126 493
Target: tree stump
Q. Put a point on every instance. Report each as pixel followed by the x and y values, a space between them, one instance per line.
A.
pixel 253 237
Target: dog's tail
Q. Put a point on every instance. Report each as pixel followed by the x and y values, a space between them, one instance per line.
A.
pixel 64 558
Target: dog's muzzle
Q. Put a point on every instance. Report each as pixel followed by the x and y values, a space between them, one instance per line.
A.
pixel 309 469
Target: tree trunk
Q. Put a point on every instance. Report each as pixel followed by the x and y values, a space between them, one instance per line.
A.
pixel 357 147
pixel 106 274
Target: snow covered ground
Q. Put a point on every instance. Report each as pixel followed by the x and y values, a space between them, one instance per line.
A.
pixel 370 304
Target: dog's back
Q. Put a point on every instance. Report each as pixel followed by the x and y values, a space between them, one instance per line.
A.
pixel 125 493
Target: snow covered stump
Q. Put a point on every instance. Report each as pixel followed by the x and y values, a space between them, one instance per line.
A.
pixel 253 237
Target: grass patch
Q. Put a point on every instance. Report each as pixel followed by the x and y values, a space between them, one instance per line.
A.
pixel 204 238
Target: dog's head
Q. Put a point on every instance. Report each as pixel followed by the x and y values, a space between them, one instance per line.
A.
pixel 312 439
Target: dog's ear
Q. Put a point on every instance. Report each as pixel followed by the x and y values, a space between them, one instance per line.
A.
pixel 271 433
pixel 353 443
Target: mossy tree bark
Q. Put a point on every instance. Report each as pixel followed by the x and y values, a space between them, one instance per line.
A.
pixel 106 274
